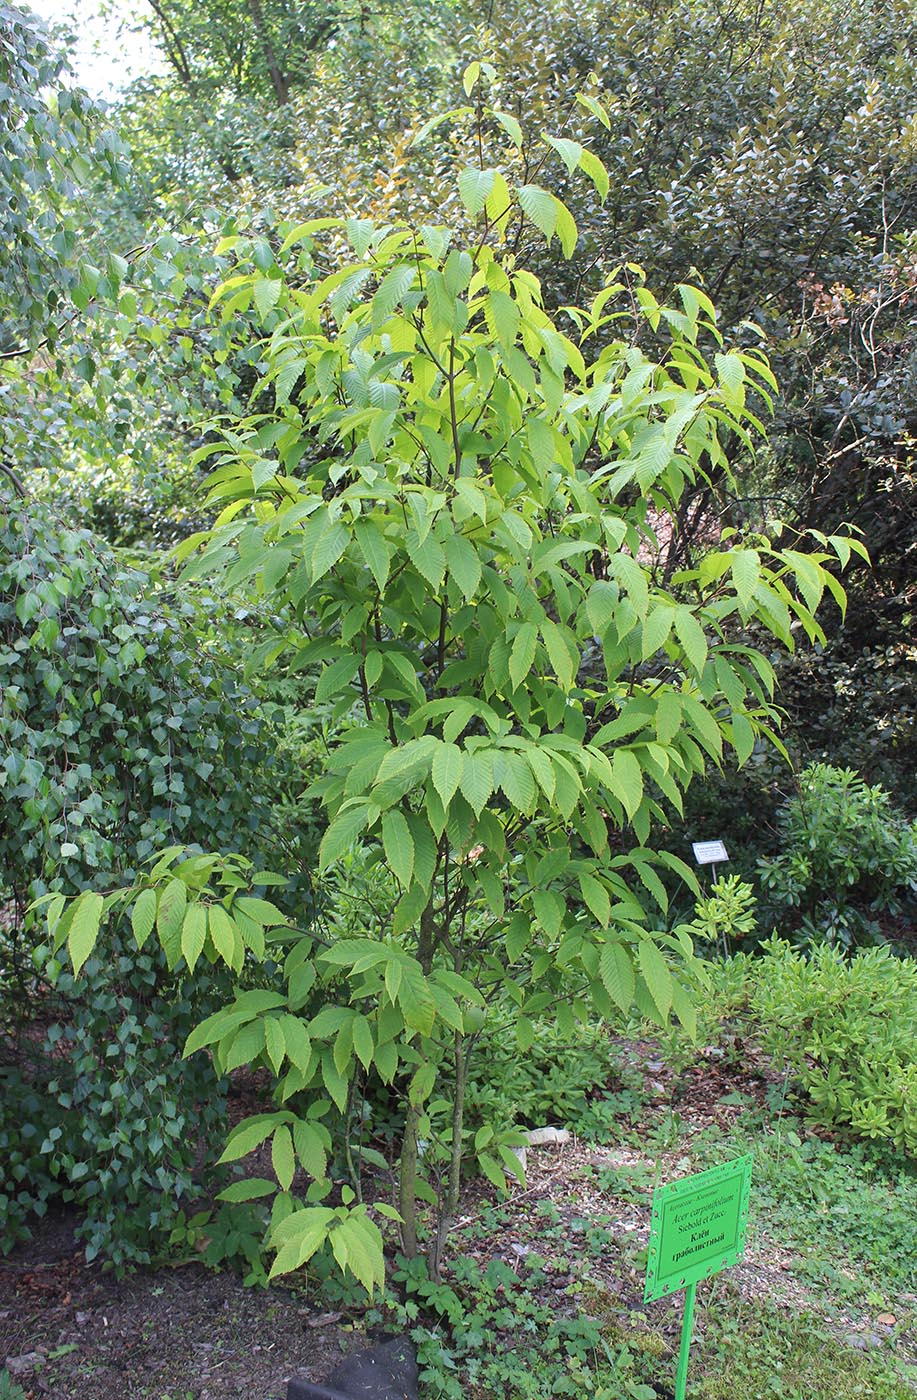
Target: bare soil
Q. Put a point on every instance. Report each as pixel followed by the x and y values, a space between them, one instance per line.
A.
pixel 171 1334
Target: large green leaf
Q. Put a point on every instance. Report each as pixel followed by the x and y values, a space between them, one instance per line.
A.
pixel 84 928
pixel 399 845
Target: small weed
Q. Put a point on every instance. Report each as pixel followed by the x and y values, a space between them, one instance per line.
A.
pixel 10 1389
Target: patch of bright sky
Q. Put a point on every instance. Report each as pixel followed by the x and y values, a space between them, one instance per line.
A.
pixel 110 50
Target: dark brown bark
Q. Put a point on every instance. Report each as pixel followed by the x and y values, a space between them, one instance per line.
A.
pixel 278 78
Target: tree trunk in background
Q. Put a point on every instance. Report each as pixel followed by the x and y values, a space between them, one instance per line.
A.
pixel 278 77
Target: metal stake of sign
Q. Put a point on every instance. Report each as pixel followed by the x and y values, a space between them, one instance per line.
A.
pixel 681 1379
pixel 698 1228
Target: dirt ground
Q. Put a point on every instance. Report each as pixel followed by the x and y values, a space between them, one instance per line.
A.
pixel 73 1331
pixel 168 1335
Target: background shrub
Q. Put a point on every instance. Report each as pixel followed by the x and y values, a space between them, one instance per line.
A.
pixel 847 1028
pixel 122 730
pixel 132 1120
pixel 847 859
pixel 551 1083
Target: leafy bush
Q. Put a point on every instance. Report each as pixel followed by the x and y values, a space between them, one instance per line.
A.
pixel 106 1114
pixel 728 911
pixel 848 1031
pixel 26 1180
pixel 120 729
pixel 552 1083
pixel 847 856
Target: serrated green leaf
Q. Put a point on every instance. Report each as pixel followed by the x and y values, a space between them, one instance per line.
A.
pixel 593 167
pixel 193 933
pixel 274 1042
pixel 310 1149
pixel 399 845
pixel 746 574
pixel 566 229
pixel 375 550
pixel 447 771
pixel 296 1041
pixel 509 125
pixel 475 187
pixel 261 910
pixel 169 917
pixel 330 546
pixel 249 1134
pixel 668 716
pixel 282 1159
pixel 656 974
pixel 570 152
pixel 341 834
pixel 617 973
pixel 363 1043
pixel 560 653
pixel 549 909
pixel 540 206
pixel 245 1047
pixel 463 564
pixel 84 927
pixel 692 638
pixel 517 781
pixel 596 898
pixel 223 933
pixel 522 653
pixel 143 916
pixel 477 781
pixel 251 1189
pixel 627 781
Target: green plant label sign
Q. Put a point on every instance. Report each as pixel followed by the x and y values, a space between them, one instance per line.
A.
pixel 698 1227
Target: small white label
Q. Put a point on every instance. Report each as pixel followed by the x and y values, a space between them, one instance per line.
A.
pixel 709 852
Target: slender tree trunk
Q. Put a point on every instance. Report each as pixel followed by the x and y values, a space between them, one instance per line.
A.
pixel 407 1183
pixel 453 1187
pixel 175 50
pixel 407 1171
pixel 277 75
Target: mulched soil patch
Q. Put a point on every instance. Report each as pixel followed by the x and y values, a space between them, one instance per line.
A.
pixel 175 1333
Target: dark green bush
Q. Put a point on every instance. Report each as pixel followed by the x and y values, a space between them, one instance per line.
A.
pixel 131 1120
pixel 847 859
pixel 550 1083
pixel 121 731
pixel 102 1111
pixel 121 728
pixel 26 1179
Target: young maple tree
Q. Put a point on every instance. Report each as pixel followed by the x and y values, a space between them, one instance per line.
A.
pixel 447 508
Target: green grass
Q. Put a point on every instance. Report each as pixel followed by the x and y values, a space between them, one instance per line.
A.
pixel 760 1353
pixel 845 1207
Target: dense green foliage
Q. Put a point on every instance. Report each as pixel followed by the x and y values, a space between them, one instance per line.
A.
pixel 842 1028
pixel 114 719
pixel 847 859
pixel 103 1111
pixel 848 1031
pixel 122 731
pixel 50 147
pixel 539 359
pixel 445 508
